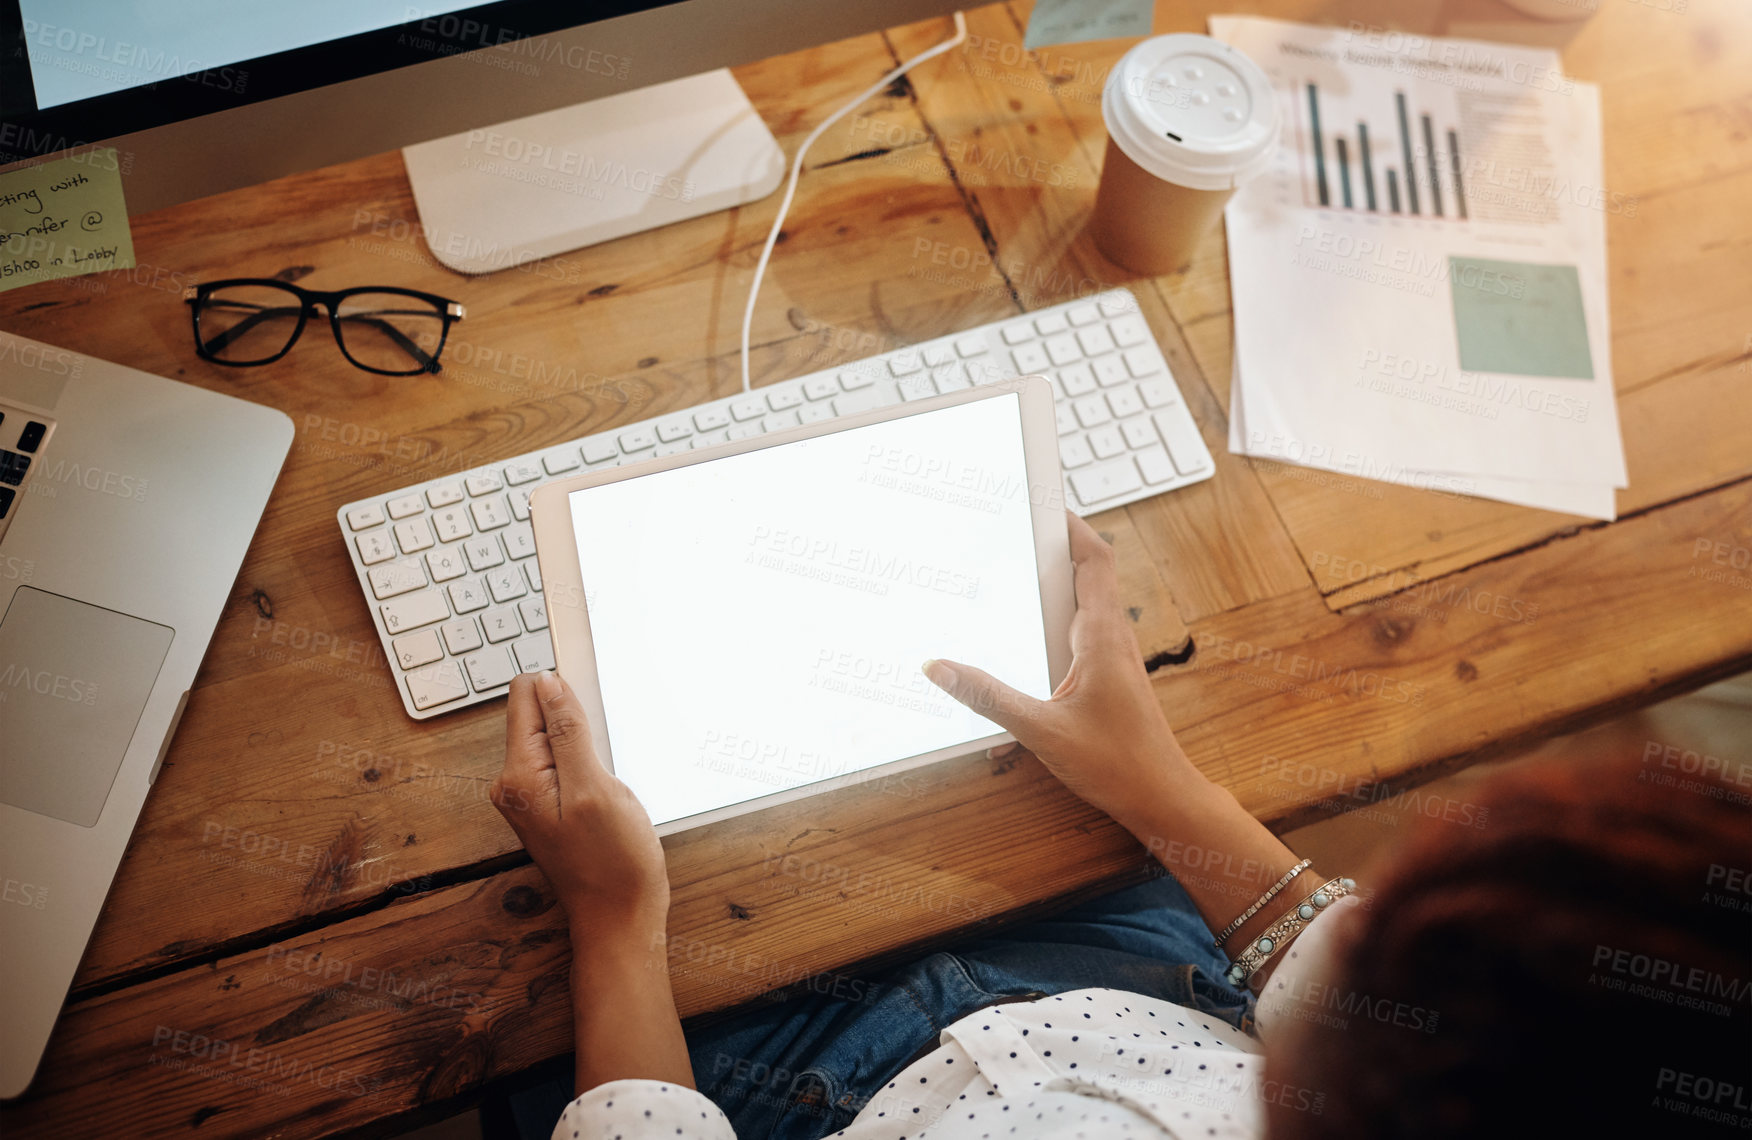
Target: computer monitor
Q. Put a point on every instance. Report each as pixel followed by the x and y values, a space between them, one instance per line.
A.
pixel 201 96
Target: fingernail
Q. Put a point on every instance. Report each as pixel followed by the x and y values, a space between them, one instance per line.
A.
pixel 940 674
pixel 547 684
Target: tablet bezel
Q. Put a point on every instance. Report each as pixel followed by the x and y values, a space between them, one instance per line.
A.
pixel 569 620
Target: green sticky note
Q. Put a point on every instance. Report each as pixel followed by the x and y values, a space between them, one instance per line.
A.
pixel 63 218
pixel 1519 318
pixel 1074 21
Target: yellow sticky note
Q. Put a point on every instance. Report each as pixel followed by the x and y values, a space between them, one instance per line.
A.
pixel 63 218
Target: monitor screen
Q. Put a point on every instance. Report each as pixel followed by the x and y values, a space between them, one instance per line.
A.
pixel 759 621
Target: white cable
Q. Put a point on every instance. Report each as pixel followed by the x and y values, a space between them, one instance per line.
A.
pixel 797 168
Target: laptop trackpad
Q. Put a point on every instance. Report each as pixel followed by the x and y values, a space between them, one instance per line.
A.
pixel 73 681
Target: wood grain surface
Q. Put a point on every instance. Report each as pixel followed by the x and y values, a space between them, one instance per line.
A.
pixel 322 925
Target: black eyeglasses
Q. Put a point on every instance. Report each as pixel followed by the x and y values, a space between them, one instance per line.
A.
pixel 382 329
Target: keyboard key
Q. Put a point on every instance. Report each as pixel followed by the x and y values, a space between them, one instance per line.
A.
pixel 483 552
pixel 971 345
pixel 1155 466
pixel 1143 361
pixel 1184 444
pixel 519 497
pixel 821 387
pixel 1124 402
pixel 856 402
pixel 1091 411
pixel 489 669
pixel 710 439
pixel 445 563
pixel 435 685
pixel 482 483
pixel 444 495
pixel 1105 480
pixel 1049 324
pixel 600 450
pixel 374 546
pixel 501 624
pixel 1029 358
pixel 519 540
pixel 939 354
pixel 534 654
pixel 1019 332
pixel 506 584
pixel 521 472
pixel 904 363
pixel 418 649
pixel 414 535
pixel 411 611
pixel 779 420
pixel 1110 370
pixel 852 379
pixel 637 440
pixel 747 408
pixel 1157 393
pixel 1063 350
pixel 532 571
pixel 402 507
pixel 917 387
pixel 461 635
pixel 1073 452
pixel 1117 303
pixel 490 514
pixel 1106 441
pixel 1067 419
pixel 1081 315
pixel 452 524
pixel 364 517
pixel 745 431
pixel 1140 432
pixel 534 612
pixel 1096 340
pixel 671 430
pixel 1129 331
pixel 395 578
pixel 669 449
pixel 561 462
pixel 467 596
pixel 815 413
pixel 1077 380
pixel 950 378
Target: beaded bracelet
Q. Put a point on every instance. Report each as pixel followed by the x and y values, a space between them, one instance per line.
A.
pixel 1263 899
pixel 1281 932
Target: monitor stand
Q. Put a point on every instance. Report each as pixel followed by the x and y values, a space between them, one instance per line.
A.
pixel 528 189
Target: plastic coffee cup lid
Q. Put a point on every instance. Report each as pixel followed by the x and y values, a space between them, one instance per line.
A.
pixel 1192 111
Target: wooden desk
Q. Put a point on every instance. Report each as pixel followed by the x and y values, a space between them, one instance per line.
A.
pixel 319 883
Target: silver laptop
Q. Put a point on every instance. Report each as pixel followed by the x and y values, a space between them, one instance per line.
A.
pixel 127 502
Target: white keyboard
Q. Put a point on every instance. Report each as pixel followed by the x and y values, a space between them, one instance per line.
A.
pixel 448 566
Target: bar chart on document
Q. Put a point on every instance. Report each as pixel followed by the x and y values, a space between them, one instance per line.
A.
pixel 1378 153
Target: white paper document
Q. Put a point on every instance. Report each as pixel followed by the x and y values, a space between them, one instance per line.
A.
pixel 1420 281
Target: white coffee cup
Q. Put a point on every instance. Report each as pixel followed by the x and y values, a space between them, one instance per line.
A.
pixel 1189 119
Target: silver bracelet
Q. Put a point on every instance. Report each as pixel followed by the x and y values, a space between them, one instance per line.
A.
pixel 1263 899
pixel 1284 930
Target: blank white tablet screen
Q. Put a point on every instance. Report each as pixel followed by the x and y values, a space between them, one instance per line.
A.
pixel 759 621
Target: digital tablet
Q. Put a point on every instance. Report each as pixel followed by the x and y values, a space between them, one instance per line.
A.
pixel 745 624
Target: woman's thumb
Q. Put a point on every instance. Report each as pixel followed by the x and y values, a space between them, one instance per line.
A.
pixel 986 695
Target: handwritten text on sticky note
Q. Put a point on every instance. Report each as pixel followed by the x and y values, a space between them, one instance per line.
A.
pixel 1076 21
pixel 63 218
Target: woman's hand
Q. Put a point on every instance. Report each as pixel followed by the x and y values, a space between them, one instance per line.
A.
pixel 585 829
pixel 1102 733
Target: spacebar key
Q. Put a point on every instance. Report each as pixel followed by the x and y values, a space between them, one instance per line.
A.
pixel 1106 480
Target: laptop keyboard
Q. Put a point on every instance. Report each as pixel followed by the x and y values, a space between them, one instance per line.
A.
pixel 448 566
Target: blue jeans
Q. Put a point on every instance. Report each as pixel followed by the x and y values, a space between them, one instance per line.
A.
pixel 802 1069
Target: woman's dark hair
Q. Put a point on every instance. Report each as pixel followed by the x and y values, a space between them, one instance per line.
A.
pixel 1580 964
